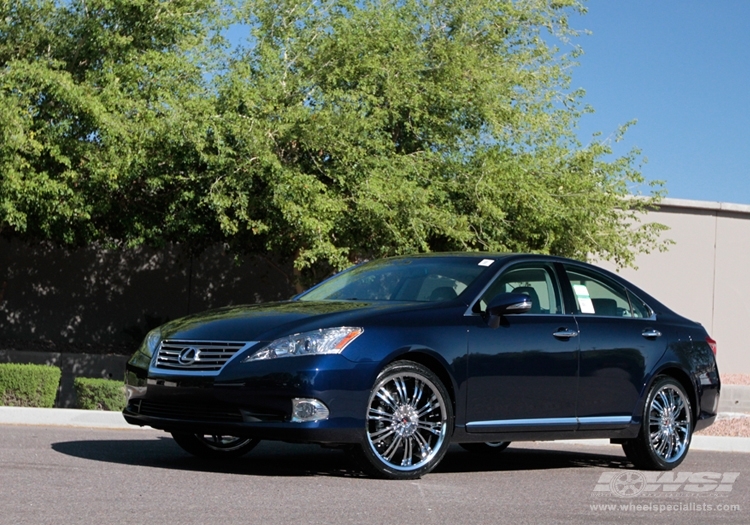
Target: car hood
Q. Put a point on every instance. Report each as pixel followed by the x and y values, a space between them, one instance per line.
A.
pixel 266 322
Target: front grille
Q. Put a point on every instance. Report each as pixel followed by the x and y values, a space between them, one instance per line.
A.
pixel 198 356
pixel 187 412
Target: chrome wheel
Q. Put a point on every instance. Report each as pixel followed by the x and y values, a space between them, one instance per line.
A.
pixel 214 446
pixel 409 416
pixel 669 423
pixel 666 428
pixel 223 443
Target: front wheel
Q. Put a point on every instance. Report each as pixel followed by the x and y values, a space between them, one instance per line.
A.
pixel 490 447
pixel 408 423
pixel 214 446
pixel 666 428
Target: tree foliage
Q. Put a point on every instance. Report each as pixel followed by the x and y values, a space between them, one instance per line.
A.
pixel 341 130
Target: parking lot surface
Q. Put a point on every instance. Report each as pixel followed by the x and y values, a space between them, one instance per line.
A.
pixel 93 476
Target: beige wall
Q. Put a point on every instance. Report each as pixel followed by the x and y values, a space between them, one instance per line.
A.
pixel 705 275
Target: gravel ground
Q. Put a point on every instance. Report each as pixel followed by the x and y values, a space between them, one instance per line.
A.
pixel 735 379
pixel 729 424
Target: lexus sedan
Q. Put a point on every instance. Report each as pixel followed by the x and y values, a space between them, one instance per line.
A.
pixel 394 359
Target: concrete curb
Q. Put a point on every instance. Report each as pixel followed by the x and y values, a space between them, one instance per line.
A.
pixel 735 398
pixel 706 443
pixel 65 417
pixel 70 417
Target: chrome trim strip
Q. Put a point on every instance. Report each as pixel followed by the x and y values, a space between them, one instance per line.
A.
pixel 523 422
pixel 600 420
pixel 551 421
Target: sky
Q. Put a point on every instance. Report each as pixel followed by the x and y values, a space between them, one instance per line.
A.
pixel 681 68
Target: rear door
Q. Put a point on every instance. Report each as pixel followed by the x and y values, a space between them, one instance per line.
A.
pixel 620 341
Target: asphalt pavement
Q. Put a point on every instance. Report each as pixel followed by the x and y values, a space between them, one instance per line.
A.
pixel 76 475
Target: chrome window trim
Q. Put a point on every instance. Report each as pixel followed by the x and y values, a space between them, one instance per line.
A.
pixel 627 290
pixel 470 313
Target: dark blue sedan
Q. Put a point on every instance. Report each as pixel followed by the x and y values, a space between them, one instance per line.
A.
pixel 395 359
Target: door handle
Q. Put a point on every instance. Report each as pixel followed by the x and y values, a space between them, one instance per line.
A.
pixel 565 333
pixel 651 333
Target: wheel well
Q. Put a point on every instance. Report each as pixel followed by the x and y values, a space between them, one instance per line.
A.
pixel 687 384
pixel 436 367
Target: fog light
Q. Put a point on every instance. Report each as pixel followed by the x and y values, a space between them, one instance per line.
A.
pixel 308 410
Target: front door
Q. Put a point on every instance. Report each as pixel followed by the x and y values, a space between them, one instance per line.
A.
pixel 523 374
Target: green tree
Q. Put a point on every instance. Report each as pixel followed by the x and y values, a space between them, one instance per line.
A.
pixel 369 128
pixel 342 130
pixel 104 112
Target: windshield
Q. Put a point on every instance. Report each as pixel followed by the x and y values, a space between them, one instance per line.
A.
pixel 419 279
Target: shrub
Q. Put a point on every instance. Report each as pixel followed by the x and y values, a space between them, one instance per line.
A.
pixel 99 394
pixel 28 385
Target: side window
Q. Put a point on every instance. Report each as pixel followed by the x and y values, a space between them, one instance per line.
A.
pixel 538 282
pixel 596 295
pixel 640 309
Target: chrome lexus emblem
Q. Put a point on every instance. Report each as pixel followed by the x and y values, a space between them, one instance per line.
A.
pixel 189 356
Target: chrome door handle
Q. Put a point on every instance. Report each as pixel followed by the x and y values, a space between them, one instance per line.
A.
pixel 565 333
pixel 651 333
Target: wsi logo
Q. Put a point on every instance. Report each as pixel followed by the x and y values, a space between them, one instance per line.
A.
pixel 631 483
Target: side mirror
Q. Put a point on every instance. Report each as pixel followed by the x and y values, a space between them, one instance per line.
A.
pixel 507 303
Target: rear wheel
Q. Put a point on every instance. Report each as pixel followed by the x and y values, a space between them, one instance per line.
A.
pixel 408 423
pixel 490 447
pixel 666 428
pixel 214 446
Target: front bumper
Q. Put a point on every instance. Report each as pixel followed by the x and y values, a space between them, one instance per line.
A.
pixel 255 399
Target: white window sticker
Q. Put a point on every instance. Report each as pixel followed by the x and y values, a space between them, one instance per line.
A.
pixel 584 299
pixel 486 262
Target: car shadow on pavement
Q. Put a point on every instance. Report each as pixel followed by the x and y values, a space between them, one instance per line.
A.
pixel 293 460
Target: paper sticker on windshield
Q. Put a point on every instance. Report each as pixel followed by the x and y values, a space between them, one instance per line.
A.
pixel 486 262
pixel 584 299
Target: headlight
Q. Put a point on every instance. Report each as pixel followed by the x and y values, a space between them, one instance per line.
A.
pixel 323 341
pixel 152 341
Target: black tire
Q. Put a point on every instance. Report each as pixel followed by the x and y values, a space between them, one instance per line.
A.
pixel 408 423
pixel 490 447
pixel 214 446
pixel 666 428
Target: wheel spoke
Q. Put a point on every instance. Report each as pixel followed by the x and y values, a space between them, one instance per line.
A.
pixel 430 427
pixel 391 450
pixel 418 389
pixel 378 415
pixel 382 434
pixel 424 447
pixel 432 404
pixel 401 390
pixel 670 446
pixel 407 453
pixel 385 396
